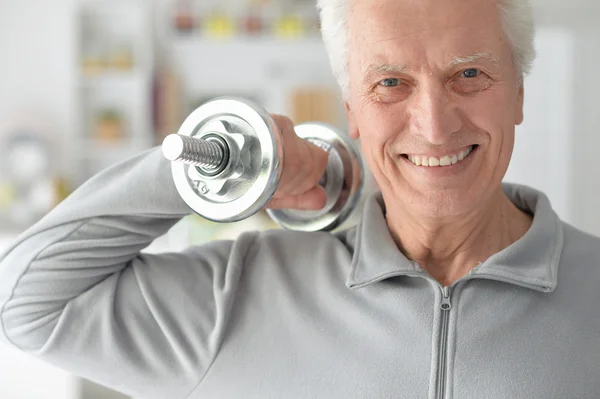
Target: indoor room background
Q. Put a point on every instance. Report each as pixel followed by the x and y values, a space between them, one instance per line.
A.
pixel 84 84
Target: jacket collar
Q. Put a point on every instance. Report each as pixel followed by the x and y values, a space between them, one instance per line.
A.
pixel 531 262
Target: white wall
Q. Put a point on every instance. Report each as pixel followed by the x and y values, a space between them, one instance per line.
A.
pixel 545 131
pixel 582 19
pixel 557 7
pixel 23 377
pixel 585 183
pixel 38 65
pixel 36 85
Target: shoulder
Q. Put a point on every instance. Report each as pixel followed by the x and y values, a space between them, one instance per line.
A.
pixel 286 244
pixel 579 269
pixel 277 246
pixel 579 245
pixel 284 257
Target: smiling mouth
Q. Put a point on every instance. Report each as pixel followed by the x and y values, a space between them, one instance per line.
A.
pixel 445 160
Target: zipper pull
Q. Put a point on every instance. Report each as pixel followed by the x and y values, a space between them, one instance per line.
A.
pixel 446 305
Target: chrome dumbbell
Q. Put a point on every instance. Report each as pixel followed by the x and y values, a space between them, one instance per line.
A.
pixel 227 162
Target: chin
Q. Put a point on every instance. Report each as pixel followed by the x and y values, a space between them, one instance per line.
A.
pixel 446 205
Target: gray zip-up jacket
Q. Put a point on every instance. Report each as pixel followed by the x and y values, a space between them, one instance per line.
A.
pixel 282 314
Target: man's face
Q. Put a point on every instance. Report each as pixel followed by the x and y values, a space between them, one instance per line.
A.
pixel 431 81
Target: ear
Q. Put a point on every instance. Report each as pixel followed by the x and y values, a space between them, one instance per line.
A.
pixel 352 127
pixel 520 101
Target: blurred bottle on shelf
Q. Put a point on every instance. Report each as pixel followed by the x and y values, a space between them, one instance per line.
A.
pixel 109 126
pixel 217 19
pixel 252 23
pixel 289 25
pixel 184 19
pixel 294 19
pixel 99 58
pixel 219 24
pixel 255 20
pixel 121 58
pixel 93 60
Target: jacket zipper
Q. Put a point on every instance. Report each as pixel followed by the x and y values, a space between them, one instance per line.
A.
pixel 443 348
pixel 445 306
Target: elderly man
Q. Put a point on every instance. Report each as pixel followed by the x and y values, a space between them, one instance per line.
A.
pixel 451 286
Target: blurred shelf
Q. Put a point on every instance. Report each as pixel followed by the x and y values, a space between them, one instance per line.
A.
pixel 115 78
pixel 266 68
pixel 247 39
pixel 114 84
pixel 253 46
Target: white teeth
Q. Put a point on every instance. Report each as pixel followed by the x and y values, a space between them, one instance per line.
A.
pixel 443 161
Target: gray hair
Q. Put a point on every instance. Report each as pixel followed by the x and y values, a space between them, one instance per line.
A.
pixel 517 23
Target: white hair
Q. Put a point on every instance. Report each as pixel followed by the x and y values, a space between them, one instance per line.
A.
pixel 517 22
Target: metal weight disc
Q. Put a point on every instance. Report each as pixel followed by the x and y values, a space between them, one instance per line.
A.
pixel 241 194
pixel 342 181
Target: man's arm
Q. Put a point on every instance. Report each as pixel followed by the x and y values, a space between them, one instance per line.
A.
pixel 76 291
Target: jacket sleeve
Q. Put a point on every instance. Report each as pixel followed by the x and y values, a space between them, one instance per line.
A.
pixel 76 291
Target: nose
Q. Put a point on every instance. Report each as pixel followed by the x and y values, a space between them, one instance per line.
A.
pixel 433 114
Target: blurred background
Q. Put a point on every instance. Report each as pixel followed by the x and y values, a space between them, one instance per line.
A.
pixel 84 84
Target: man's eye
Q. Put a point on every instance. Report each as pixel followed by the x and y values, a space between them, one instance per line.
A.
pixel 389 82
pixel 471 73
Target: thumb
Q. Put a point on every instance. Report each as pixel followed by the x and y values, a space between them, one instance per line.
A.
pixel 319 158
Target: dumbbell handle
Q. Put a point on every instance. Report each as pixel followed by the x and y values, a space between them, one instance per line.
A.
pixel 208 155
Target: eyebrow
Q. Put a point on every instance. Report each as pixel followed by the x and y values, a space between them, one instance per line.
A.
pixel 375 69
pixel 469 59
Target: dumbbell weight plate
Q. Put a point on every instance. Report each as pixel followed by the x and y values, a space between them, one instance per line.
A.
pixel 240 197
pixel 342 181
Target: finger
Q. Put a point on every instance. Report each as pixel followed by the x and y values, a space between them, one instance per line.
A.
pixel 304 162
pixel 318 160
pixel 285 125
pixel 313 199
pixel 315 163
pixel 294 169
pixel 304 171
pixel 298 159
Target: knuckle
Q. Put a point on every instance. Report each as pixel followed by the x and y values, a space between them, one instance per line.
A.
pixel 284 123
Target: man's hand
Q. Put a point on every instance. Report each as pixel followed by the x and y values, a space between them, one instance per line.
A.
pixel 304 164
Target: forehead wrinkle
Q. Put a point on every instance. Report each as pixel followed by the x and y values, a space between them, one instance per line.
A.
pixel 442 28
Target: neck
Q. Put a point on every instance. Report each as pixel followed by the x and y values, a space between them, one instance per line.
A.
pixel 448 249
